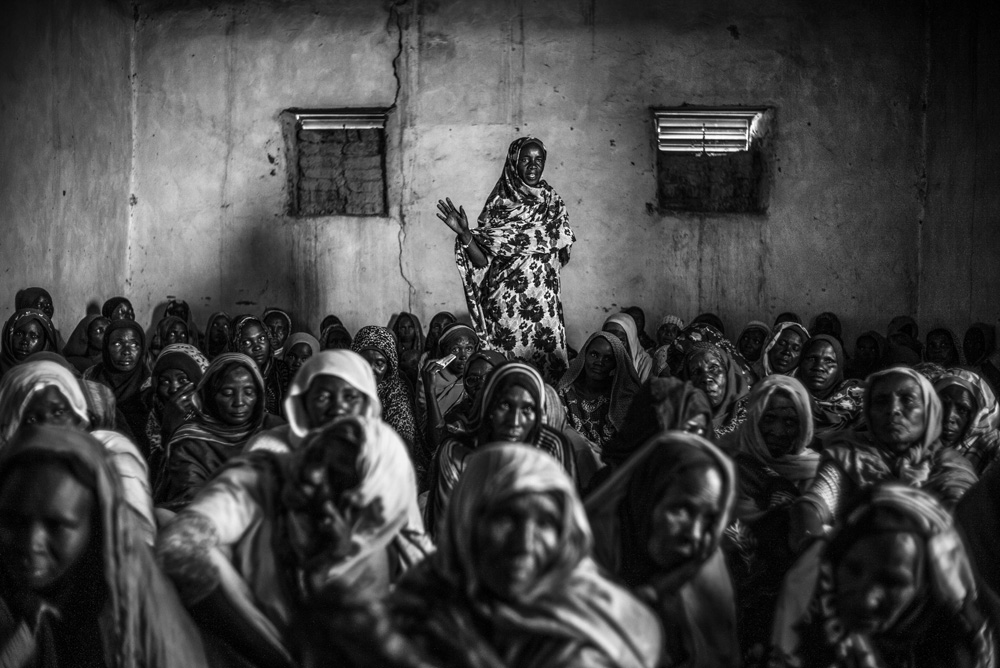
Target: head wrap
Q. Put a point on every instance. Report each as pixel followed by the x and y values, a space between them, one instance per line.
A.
pixel 19 385
pixel 280 350
pixel 302 337
pixel 989 334
pixel 26 297
pixel 418 331
pixel 955 343
pixel 181 356
pixel 397 403
pixel 113 303
pixel 625 384
pixel 787 316
pixel 163 328
pixel 330 330
pixel 671 320
pixel 430 345
pixel 523 375
pixel 453 331
pixel 729 414
pixel 834 321
pixel 125 384
pixel 986 413
pixel 932 404
pixel 78 344
pixel 641 361
pixel 330 320
pixel 711 319
pixel 903 324
pixel 775 335
pixel 19 319
pixel 209 350
pixel 801 462
pixel 240 323
pixel 841 407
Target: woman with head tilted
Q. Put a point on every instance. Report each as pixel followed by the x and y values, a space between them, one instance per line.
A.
pixel 512 409
pixel 715 372
pixel 623 326
pixel 782 350
pixel 510 264
pixel 513 582
pixel 251 337
pixel 836 401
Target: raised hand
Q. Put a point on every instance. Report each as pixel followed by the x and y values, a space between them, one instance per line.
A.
pixel 454 218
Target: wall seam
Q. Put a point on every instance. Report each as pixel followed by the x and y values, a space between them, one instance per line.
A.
pixel 133 142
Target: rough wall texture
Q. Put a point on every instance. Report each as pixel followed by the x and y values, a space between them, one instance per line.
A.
pixel 65 151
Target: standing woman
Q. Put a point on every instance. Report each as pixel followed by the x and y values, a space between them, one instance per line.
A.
pixel 510 264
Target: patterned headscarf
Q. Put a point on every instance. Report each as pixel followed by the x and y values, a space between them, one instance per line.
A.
pixel 163 327
pixel 801 462
pixel 20 319
pixel 626 381
pixel 841 408
pixel 731 413
pixel 397 403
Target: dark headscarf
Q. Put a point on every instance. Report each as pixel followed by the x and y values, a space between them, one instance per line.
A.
pixel 765 362
pixel 453 331
pixel 835 327
pixel 275 371
pixel 209 351
pixel 164 326
pixel 711 319
pixel 125 384
pixel 430 345
pixel 841 408
pixel 16 321
pixel 625 384
pixel 277 351
pixel 110 306
pixel 989 334
pixel 26 298
pixel 418 341
pixel 332 328
pixel 731 413
pixel 78 344
pixel 956 344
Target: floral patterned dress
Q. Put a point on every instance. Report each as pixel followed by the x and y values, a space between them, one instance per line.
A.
pixel 515 300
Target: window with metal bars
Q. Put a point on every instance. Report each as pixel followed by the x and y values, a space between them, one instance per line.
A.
pixel 705 130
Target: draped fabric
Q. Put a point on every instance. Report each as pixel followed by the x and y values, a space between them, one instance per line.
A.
pixel 695 600
pixel 700 332
pixel 142 623
pixel 465 413
pixel 210 350
pixel 753 326
pixel 78 344
pixel 448 388
pixel 276 350
pixel 418 331
pixel 598 418
pixel 515 301
pixel 126 385
pixel 731 411
pixel 841 408
pixel 641 361
pixel 163 328
pixel 980 443
pixel 23 382
pixel 19 319
pixel 110 305
pixel 570 616
pixel 431 344
pixel 860 369
pixel 302 337
pixel 956 343
pixel 275 371
pixel 763 366
pixel 947 622
pixel 336 333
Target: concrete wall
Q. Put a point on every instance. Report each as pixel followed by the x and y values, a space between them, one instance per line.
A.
pixel 65 152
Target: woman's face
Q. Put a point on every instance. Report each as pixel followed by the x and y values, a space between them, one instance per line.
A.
pixel 170 382
pixel 44 304
pixel 27 339
pixel 599 364
pixel 123 312
pixel 698 425
pixel 277 330
pixel 236 397
pixel 329 397
pixel 462 347
pixel 45 524
pixel 124 349
pixel 50 407
pixel 957 410
pixel 709 375
pixel 177 332
pixel 95 333
pixel 405 330
pixel 297 355
pixel 475 377
pixel 784 354
pixel 818 368
pixel 254 344
pixel 337 340
pixel 876 580
pixel 896 413
pixel 531 163
pixel 682 522
pixel 751 343
pixel 513 414
pixel 940 349
pixel 378 362
pixel 514 544
pixel 218 334
pixel 779 425
pixel 619 332
pixel 438 323
pixel 667 333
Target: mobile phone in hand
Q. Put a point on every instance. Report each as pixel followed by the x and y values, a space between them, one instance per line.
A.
pixel 447 359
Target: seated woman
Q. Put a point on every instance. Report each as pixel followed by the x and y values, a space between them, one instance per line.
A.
pixel 639 316
pixel 39 299
pixel 77 587
pixel 408 332
pixel 299 347
pixel 123 371
pixel 670 327
pixel 836 403
pixel 598 388
pixel 713 371
pixel 279 326
pixel 943 348
pixel 623 326
pixel 217 334
pixel 177 371
pixel 330 385
pixel 440 387
pixel 751 341
pixel 658 521
pixel 252 338
pixel 894 587
pixel 25 333
pixel 118 308
pixel 699 333
pixel 86 343
pixel 335 337
pixel 378 346
pixel 172 329
pixel 513 583
pixel 783 350
pixel 271 532
pixel 869 350
pixel 230 411
pixel 463 415
pixel 513 403
pixel 903 415
pixel 967 410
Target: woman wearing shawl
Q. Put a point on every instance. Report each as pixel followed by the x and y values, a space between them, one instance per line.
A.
pixel 270 532
pixel 217 335
pixel 172 329
pixel 510 264
pixel 231 410
pixel 894 588
pixel 299 347
pixel 751 341
pixel 123 371
pixel 87 342
pixel 279 326
pixel 836 403
pixel 783 350
pixel 464 414
pixel 639 316
pixel 408 332
pixel 252 338
pixel 666 333
pixel 26 332
pixel 335 337
pixel 700 332
pixel 330 385
pixel 46 392
pixel 968 411
pixel 869 350
pixel 512 409
pixel 658 521
pixel 440 387
pixel 440 320
pixel 378 346
pixel 598 388
pixel 513 583
pixel 943 348
pixel 903 414
pixel 39 299
pixel 52 612
pixel 623 326
pixel 118 308
pixel 713 371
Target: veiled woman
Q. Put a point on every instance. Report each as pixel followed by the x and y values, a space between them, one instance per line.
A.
pixel 980 348
pixel 714 371
pixel 944 348
pixel 658 523
pixel 598 388
pixel 903 414
pixel 893 588
pixel 623 326
pixel 782 350
pixel 299 347
pixel 699 333
pixel 437 324
pixel 751 340
pixel 77 587
pixel 969 411
pixel 512 409
pixel 271 532
pixel 670 327
pixel 440 387
pixel 87 342
pixel 870 349
pixel 513 583
pixel 123 371
pixel 251 337
pixel 217 334
pixel 279 326
pixel 836 402
pixel 408 332
pixel 510 264
pixel 460 418
pixel 26 332
pixel 335 337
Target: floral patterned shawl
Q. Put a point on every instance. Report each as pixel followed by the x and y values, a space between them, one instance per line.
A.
pixel 841 409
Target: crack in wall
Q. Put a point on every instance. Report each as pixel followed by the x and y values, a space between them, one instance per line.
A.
pixel 133 143
pixel 396 18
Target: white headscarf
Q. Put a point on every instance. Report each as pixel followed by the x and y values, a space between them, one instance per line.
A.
pixel 344 364
pixel 641 360
pixel 20 384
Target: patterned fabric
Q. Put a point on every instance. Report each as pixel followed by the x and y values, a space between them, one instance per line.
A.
pixel 641 361
pixel 188 359
pixel 275 372
pixel 841 408
pixel 980 443
pixel 19 319
pixel 700 332
pixel 515 301
pixel 732 411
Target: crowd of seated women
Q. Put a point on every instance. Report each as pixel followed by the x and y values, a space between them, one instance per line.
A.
pixel 249 495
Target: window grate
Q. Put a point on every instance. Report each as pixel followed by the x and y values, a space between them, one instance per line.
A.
pixel 705 130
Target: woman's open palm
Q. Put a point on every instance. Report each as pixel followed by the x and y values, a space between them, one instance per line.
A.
pixel 454 218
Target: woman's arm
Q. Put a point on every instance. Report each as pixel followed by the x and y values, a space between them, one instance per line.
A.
pixel 458 222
